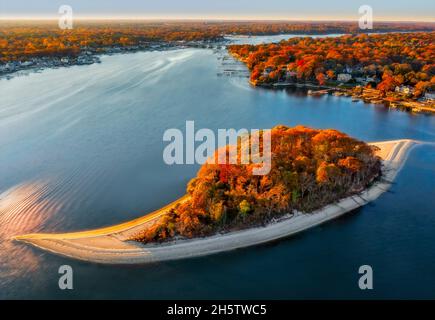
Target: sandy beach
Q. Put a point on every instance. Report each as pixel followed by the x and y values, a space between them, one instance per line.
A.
pixel 110 246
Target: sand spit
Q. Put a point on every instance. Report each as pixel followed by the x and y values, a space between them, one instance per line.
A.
pixel 109 245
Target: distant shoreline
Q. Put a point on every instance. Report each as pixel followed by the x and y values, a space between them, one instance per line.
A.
pixel 110 246
pixel 89 58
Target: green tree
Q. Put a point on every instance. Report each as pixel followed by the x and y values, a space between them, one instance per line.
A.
pixel 244 207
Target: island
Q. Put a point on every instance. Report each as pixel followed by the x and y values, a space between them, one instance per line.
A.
pixel 316 176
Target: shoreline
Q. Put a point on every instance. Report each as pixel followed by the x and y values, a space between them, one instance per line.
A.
pixel 40 64
pixel 91 56
pixel 110 246
pixel 94 57
pixel 398 103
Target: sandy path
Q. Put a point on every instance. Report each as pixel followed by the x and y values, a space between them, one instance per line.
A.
pixel 108 245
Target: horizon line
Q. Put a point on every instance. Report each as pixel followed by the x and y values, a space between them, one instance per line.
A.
pixel 210 18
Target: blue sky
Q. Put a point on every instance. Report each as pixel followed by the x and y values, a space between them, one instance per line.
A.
pixel 406 10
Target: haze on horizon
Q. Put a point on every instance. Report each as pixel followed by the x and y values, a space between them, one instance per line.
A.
pixel 388 10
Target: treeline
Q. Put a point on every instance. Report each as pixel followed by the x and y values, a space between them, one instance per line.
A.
pixel 20 41
pixel 310 169
pixel 387 60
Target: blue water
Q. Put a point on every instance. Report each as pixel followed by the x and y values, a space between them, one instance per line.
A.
pixel 81 147
pixel 237 39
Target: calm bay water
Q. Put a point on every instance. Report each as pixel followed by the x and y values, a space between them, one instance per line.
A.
pixel 240 39
pixel 82 147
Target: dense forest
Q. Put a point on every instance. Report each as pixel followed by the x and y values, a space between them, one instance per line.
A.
pixel 20 41
pixel 383 61
pixel 310 168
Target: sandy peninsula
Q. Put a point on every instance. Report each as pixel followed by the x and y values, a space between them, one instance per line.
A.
pixel 110 245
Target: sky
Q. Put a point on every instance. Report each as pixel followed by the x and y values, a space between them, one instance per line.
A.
pixel 395 10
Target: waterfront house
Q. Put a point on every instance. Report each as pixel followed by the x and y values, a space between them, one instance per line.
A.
pixel 404 89
pixel 371 79
pixel 26 63
pixel 84 60
pixel 10 66
pixel 344 77
pixel 429 95
pixel 361 80
pixel 267 70
pixel 291 76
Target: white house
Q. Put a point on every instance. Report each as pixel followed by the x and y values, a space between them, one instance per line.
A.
pixel 404 89
pixel 344 77
pixel 26 63
pixel 370 79
pixel 10 66
pixel 361 80
pixel 430 95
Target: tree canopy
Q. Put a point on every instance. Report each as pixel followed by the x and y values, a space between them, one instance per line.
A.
pixel 391 59
pixel 310 168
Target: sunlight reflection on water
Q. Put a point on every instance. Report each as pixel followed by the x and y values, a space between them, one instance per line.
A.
pixel 24 208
